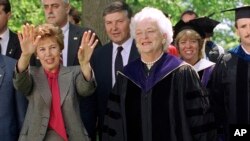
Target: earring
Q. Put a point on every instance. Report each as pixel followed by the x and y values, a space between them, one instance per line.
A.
pixel 163 41
pixel 37 58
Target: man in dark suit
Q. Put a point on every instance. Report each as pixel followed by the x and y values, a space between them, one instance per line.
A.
pixel 10 45
pixel 13 105
pixel 56 12
pixel 117 18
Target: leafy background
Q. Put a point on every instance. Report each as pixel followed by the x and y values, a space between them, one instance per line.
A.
pixel 31 11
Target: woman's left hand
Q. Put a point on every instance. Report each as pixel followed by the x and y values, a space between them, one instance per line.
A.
pixel 87 47
pixel 85 52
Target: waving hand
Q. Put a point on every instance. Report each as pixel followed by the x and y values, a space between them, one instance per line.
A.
pixel 85 52
pixel 28 46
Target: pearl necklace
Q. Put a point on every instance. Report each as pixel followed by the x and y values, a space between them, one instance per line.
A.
pixel 150 64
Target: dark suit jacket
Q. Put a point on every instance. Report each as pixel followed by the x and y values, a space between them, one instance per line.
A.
pixel 13 47
pixel 101 63
pixel 12 104
pixel 34 85
pixel 86 108
pixel 75 38
pixel 87 104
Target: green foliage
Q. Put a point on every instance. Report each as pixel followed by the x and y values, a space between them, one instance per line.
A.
pixel 31 11
pixel 174 8
pixel 77 4
pixel 25 11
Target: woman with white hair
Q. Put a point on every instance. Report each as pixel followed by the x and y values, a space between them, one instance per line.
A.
pixel 156 97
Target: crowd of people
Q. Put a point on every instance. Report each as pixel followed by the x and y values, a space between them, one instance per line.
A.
pixel 152 81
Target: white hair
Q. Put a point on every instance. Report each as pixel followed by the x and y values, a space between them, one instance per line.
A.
pixel 157 15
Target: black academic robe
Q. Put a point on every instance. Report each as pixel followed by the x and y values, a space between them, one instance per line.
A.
pixel 230 91
pixel 164 104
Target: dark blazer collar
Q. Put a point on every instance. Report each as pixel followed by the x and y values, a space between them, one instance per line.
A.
pixel 2 63
pixel 75 35
pixel 133 52
pixel 2 69
pixel 107 50
pixel 13 47
pixel 107 60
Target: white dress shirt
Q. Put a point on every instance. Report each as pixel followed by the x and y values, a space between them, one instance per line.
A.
pixel 65 30
pixel 125 55
pixel 248 53
pixel 4 41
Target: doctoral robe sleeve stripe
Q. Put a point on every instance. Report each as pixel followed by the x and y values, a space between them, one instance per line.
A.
pixel 195 112
pixel 193 95
pixel 201 100
pixel 203 128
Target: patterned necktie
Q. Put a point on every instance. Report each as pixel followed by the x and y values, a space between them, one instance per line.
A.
pixel 118 60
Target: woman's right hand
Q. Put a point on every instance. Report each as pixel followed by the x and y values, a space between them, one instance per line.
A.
pixel 28 46
pixel 27 40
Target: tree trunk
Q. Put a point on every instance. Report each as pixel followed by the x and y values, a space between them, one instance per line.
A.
pixel 92 17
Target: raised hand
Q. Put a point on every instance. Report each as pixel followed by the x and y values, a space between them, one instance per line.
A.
pixel 27 40
pixel 87 46
pixel 85 52
pixel 28 45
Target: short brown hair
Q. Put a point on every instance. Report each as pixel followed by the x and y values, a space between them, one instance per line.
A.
pixel 117 6
pixel 50 31
pixel 189 12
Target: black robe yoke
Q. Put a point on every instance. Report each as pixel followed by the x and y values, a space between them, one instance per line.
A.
pixel 230 90
pixel 164 105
